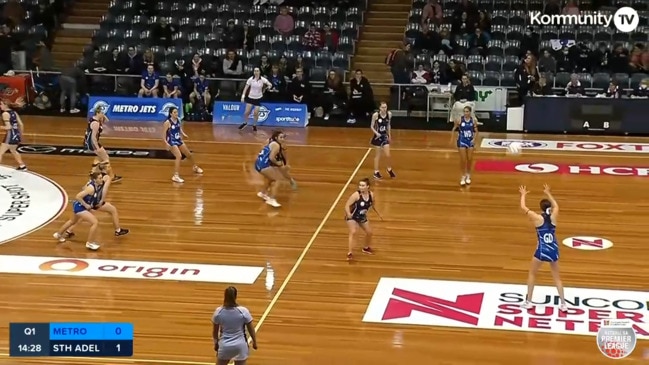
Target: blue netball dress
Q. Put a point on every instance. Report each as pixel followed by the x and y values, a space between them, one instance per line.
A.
pixel 466 133
pixel 547 248
pixel 174 136
pixel 91 199
pixel 87 138
pixel 13 135
pixel 360 207
pixel 263 159
pixel 382 126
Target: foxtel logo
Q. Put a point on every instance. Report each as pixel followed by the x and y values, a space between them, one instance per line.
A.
pixel 564 169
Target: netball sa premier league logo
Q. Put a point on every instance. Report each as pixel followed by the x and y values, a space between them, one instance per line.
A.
pixel 616 338
pixel 625 19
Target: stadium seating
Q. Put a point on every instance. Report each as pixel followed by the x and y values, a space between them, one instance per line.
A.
pixel 200 25
pixel 508 23
pixel 29 33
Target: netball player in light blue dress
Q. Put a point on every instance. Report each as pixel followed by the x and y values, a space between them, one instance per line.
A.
pixel 229 324
pixel 547 248
pixel 467 128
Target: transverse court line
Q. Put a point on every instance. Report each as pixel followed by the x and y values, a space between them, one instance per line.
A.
pixel 270 306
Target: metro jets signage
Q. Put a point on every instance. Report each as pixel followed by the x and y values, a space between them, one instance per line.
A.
pixel 497 306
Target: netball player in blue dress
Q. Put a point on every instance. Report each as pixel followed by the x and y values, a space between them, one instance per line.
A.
pixel 173 137
pixel 91 141
pixel 467 128
pixel 356 208
pixel 100 205
pixel 285 169
pixel 268 163
pixel 82 206
pixel 547 248
pixel 14 129
pixel 381 139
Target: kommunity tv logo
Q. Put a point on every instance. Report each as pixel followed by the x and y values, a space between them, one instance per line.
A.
pixel 625 19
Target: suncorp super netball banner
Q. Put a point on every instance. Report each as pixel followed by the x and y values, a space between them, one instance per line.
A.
pixel 498 306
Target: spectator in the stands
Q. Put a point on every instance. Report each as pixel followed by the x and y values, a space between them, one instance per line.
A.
pixel 583 61
pixel 200 91
pixel 264 66
pixel 642 91
pixel 478 43
pixel 565 63
pixel 420 75
pixel 432 13
pixel 464 95
pixel 571 8
pixel 46 17
pixel 182 70
pixel 335 94
pixel 162 33
pixel 297 64
pixel 448 43
pixel 427 40
pixel 284 23
pixel 547 63
pixel 132 63
pixel 619 61
pixel 438 75
pixel 462 25
pixel 94 64
pixel 71 82
pixel 635 62
pixel 484 24
pixel 361 98
pixel 232 37
pixel 312 39
pixel 612 91
pixel 148 59
pixel 6 41
pixel 530 42
pixel 456 70
pixel 171 86
pixel 277 93
pixel 149 83
pixel 644 60
pixel 526 76
pixel 400 65
pixel 232 65
pixel 575 88
pixel 197 65
pixel 330 38
pixel 541 87
pixel 468 7
pixel 599 58
pixel 299 89
pixel 42 58
pixel 249 35
pixel 114 63
pixel 13 12
pixel 552 7
pixel 282 64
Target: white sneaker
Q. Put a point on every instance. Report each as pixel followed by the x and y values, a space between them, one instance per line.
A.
pixel 273 203
pixel 563 307
pixel 197 169
pixel 262 195
pixel 177 179
pixel 59 237
pixel 75 111
pixel 468 180
pixel 527 305
pixel 92 246
pixel 63 110
pixel 463 181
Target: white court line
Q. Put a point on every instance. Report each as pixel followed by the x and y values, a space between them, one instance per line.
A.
pixel 478 150
pixel 273 301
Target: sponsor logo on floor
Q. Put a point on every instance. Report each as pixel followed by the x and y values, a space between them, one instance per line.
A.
pixel 587 243
pixel 117 269
pixel 570 146
pixel 33 149
pixel 561 168
pixel 497 307
pixel 28 201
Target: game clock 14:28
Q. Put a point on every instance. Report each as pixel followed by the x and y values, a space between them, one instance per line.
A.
pixel 29 348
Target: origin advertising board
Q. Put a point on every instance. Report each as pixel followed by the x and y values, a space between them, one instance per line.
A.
pixel 495 306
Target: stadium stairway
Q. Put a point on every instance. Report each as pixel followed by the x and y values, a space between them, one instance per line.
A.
pixel 77 30
pixel 383 31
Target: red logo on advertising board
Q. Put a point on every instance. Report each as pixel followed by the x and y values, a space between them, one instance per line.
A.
pixel 404 302
pixel 561 168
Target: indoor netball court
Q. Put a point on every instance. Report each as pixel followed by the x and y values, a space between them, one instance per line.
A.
pixel 443 287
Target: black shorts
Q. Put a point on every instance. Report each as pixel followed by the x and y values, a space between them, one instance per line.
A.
pixel 379 141
pixel 255 102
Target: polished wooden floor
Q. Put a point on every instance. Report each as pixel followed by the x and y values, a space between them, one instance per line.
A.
pixel 313 313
